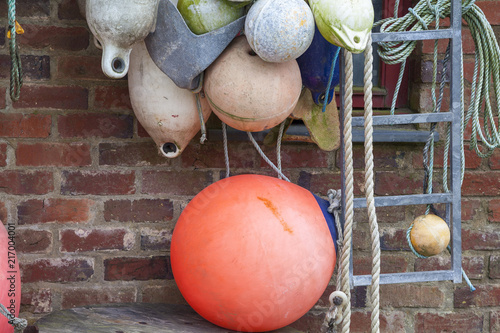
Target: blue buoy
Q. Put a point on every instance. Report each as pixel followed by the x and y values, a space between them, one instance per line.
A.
pixel 315 66
pixel 330 220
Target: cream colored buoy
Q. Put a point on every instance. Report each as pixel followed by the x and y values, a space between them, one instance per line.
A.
pixel 430 235
pixel 345 23
pixel 117 25
pixel 279 30
pixel 168 113
pixel 248 93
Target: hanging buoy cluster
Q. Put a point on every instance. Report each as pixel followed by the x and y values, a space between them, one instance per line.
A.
pixel 252 82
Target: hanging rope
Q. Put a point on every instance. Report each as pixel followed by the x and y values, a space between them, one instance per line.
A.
pixel 226 151
pixel 16 72
pixel 19 324
pixel 265 158
pixel 345 258
pixel 369 188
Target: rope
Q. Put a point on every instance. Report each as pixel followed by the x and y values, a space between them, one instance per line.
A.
pixel 338 299
pixel 278 146
pixel 369 188
pixel 330 79
pixel 345 258
pixel 16 71
pixel 19 324
pixel 268 161
pixel 226 151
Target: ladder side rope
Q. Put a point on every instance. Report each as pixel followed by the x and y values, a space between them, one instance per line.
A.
pixel 345 258
pixel 369 188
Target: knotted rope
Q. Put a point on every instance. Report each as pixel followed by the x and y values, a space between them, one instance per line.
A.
pixel 19 324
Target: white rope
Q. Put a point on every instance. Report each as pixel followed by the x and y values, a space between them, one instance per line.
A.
pixel 19 324
pixel 278 146
pixel 349 195
pixel 369 188
pixel 226 151
pixel 263 155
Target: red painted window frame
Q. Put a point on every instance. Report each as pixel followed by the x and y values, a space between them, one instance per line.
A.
pixel 382 98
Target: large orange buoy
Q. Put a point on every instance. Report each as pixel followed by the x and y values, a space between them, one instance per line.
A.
pixel 252 253
pixel 10 279
pixel 248 93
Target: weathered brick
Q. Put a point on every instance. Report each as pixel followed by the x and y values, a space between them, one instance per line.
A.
pixel 392 214
pixel 473 266
pixel 141 210
pixel 393 240
pixel 79 68
pixel 95 125
pixel 112 98
pixel 36 300
pixel 76 297
pixel 17 125
pixel 155 239
pixel 34 67
pixel 2 34
pixel 29 8
pixel 388 264
pixel 57 270
pixel 3 212
pixel 169 294
pixel 2 96
pixel 22 183
pixel 384 156
pixel 472 160
pixel 494 267
pixel 141 132
pixel 469 208
pixel 33 241
pixel 3 154
pixel 297 156
pixel 495 321
pixel 481 183
pixel 81 240
pixel 480 239
pixel 427 69
pixel 98 183
pixel 128 269
pixel 483 296
pixel 54 210
pixel 448 322
pixel 68 10
pixel 320 183
pixel 57 38
pixel 411 296
pixel 494 210
pixel 53 154
pixel 390 322
pixel 131 154
pixel 394 183
pixel 211 155
pixel 494 160
pixel 175 182
pixel 53 97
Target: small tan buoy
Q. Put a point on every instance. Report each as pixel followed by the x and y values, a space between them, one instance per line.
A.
pixel 248 93
pixel 430 235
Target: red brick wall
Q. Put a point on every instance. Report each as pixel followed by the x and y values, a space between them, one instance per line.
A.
pixel 95 205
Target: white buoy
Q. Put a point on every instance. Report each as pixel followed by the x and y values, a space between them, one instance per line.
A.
pixel 168 113
pixel 117 25
pixel 279 30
